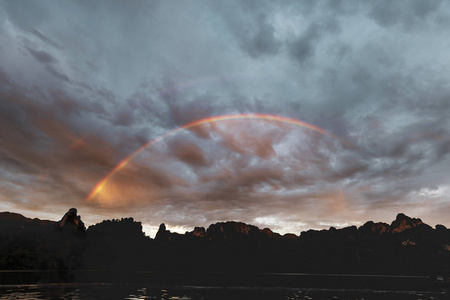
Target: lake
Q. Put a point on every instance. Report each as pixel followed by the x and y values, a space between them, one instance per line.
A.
pixel 131 291
pixel 102 284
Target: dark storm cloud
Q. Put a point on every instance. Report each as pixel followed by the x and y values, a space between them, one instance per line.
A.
pixel 123 117
pixel 251 27
pixel 49 61
pixel 414 13
pixel 188 110
pixel 303 47
pixel 85 85
pixel 170 103
pixel 262 42
pixel 39 138
pixel 51 69
pixel 189 153
pixel 41 56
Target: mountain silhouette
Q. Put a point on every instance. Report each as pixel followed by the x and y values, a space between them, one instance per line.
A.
pixel 405 247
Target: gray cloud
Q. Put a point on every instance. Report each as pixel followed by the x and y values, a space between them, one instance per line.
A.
pixel 303 47
pixel 263 42
pixel 414 13
pixel 85 85
pixel 58 74
pixel 250 26
pixel 45 38
pixel 41 56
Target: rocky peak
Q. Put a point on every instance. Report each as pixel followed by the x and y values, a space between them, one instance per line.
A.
pixel 403 222
pixel 199 232
pixel 72 220
pixel 231 230
pixel 374 228
pixel 162 234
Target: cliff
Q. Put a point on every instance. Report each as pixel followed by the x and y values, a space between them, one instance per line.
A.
pixel 34 244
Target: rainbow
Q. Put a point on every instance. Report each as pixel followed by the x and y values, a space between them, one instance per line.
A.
pixel 97 189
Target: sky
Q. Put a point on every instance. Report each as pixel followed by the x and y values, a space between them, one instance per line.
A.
pixel 86 85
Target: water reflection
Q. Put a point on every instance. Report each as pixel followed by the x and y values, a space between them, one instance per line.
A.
pixel 39 292
pixel 163 295
pixel 130 292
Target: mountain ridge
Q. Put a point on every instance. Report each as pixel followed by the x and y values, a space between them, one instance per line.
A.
pixel 401 223
pixel 407 246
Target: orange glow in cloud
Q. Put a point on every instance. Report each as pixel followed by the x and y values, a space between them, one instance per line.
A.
pixel 76 144
pixel 98 188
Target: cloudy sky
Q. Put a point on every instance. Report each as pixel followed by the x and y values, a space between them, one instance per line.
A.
pixel 84 84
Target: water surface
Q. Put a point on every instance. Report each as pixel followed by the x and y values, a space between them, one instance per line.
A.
pixel 129 291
